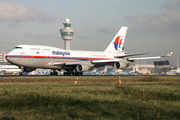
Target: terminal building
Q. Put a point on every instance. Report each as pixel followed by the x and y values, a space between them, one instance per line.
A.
pixel 6 67
pixel 159 67
pixel 2 57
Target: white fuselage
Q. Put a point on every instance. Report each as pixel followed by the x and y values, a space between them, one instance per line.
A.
pixel 45 56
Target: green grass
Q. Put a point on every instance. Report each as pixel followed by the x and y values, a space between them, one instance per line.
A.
pixel 44 98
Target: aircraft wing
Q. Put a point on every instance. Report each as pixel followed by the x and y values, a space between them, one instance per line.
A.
pixel 68 63
pixel 82 62
pixel 104 61
pixel 96 62
pixel 131 59
pixel 155 57
pixel 115 60
pixel 127 55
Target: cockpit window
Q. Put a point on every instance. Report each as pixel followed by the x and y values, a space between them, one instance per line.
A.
pixel 18 48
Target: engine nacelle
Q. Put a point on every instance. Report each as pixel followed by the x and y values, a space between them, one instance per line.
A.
pixel 26 69
pixel 120 65
pixel 82 68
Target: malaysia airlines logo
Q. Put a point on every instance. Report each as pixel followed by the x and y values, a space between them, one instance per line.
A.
pixel 22 53
pixel 60 53
pixel 118 42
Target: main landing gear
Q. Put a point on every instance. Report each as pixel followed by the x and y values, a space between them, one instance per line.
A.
pixel 21 73
pixel 66 73
pixel 54 73
pixel 71 73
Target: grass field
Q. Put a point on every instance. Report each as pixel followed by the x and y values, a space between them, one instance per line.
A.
pixel 138 98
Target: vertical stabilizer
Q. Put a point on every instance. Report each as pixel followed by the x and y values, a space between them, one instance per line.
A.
pixel 117 43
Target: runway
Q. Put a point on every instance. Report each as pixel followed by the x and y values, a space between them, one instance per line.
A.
pixel 85 75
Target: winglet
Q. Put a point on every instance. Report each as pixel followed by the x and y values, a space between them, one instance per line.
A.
pixel 169 55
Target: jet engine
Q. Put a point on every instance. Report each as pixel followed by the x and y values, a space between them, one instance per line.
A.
pixel 120 65
pixel 82 68
pixel 27 69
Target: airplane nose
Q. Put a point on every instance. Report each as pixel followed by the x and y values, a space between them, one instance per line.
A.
pixel 7 57
pixel 12 59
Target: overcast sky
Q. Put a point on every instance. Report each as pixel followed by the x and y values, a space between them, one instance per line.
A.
pixel 153 25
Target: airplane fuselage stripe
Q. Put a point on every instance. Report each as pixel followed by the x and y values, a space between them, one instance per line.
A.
pixel 55 57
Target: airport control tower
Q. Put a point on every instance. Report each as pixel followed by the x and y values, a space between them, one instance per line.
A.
pixel 67 33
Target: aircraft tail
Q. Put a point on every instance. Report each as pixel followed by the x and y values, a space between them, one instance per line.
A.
pixel 117 43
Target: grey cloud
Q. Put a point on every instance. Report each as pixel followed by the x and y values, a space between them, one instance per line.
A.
pixel 165 23
pixel 107 30
pixel 43 17
pixel 41 36
pixel 83 37
pixel 172 6
pixel 18 12
pixel 15 25
pixel 28 35
pixel 117 7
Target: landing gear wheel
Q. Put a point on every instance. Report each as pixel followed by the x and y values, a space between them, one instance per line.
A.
pixel 78 73
pixel 20 73
pixel 81 74
pixel 54 73
pixel 51 74
pixel 65 74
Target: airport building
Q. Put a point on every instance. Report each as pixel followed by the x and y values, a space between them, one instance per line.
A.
pixel 2 57
pixel 6 67
pixel 159 67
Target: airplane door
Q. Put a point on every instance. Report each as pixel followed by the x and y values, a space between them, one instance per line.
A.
pixel 32 56
pixel 34 52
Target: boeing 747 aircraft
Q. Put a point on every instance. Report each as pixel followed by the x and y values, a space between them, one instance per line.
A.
pixel 73 62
